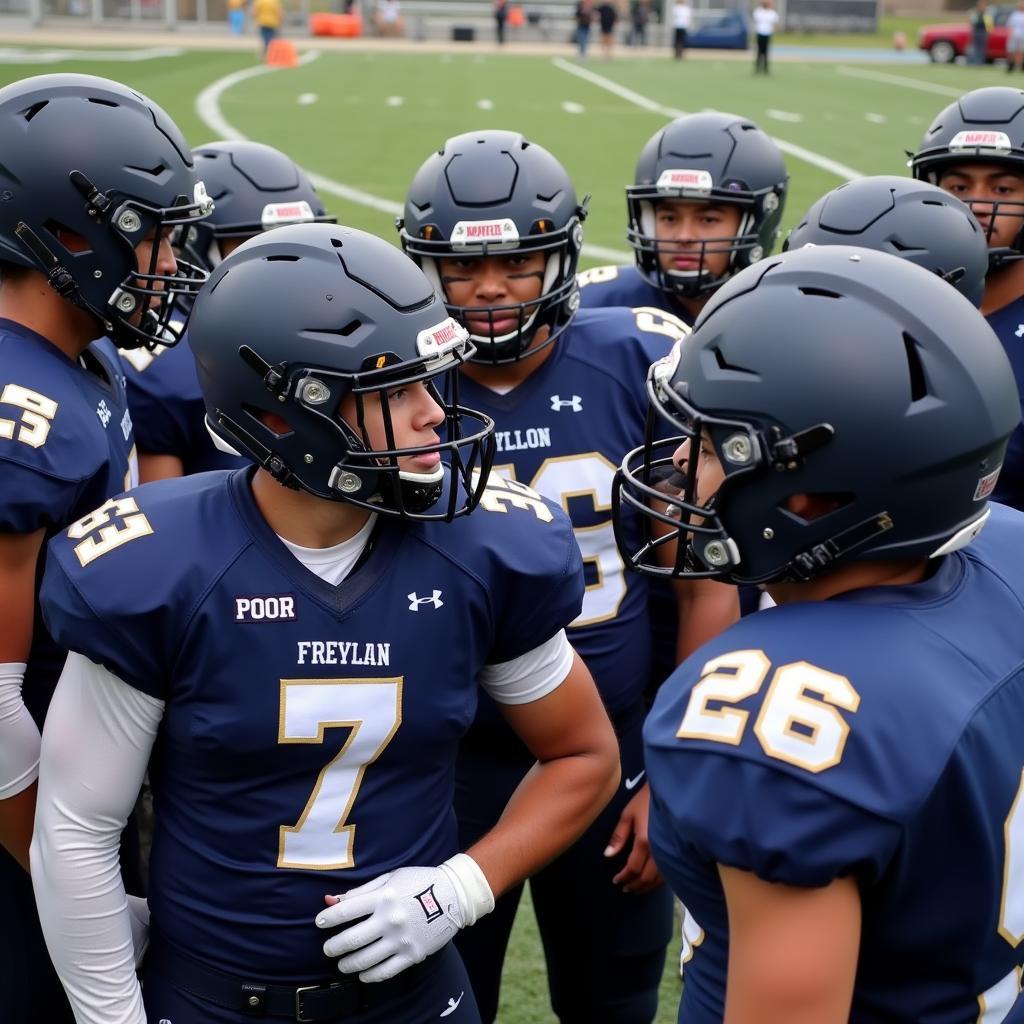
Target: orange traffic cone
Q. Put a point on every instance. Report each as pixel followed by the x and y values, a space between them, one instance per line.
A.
pixel 281 54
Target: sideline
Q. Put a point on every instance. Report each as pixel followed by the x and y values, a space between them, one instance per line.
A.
pixel 807 155
pixel 208 109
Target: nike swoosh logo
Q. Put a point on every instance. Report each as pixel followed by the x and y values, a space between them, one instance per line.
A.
pixel 635 781
pixel 453 1005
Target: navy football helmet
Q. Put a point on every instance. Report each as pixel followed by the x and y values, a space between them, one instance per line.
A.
pixel 832 371
pixel 494 193
pixel 88 157
pixel 911 219
pixel 254 187
pixel 296 319
pixel 983 126
pixel 711 157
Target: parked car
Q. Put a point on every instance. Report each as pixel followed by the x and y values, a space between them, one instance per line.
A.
pixel 944 43
pixel 727 30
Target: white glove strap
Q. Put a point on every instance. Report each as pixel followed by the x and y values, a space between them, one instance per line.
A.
pixel 470 885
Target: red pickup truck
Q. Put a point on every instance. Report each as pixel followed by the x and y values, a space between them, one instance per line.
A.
pixel 944 43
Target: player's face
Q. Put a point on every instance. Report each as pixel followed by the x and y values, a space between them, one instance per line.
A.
pixel 482 282
pixel 685 228
pixel 414 418
pixel 154 255
pixel 709 472
pixel 982 186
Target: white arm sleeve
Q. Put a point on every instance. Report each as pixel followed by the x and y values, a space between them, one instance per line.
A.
pixel 97 740
pixel 532 675
pixel 19 737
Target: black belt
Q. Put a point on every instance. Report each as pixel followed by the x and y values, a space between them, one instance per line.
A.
pixel 318 1001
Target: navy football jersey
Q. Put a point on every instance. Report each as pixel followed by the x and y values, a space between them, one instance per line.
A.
pixel 564 431
pixel 1008 323
pixel 66 445
pixel 623 286
pixel 168 409
pixel 309 736
pixel 878 735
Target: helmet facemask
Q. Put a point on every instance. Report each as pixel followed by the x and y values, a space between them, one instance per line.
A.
pixel 743 248
pixel 553 308
pixel 139 311
pixel 363 475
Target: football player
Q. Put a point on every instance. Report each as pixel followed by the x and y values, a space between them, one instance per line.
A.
pixel 299 647
pixel 254 188
pixel 707 201
pixel 910 219
pixel 824 770
pixel 975 149
pixel 495 222
pixel 93 179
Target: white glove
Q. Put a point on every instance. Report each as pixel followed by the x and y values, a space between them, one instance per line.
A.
pixel 410 913
pixel 138 915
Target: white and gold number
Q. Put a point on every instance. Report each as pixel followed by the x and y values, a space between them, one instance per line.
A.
pixel 652 320
pixel 799 721
pixel 37 412
pixel 584 476
pixel 994 1004
pixel 140 358
pixel 134 524
pixel 371 709
pixel 597 275
pixel 503 492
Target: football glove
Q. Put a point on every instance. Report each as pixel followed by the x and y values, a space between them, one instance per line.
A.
pixel 409 914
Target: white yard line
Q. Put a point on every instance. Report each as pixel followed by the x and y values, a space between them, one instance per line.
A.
pixel 208 109
pixel 900 80
pixel 16 55
pixel 807 155
pixel 784 115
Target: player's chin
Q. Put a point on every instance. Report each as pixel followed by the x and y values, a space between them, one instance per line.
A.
pixel 425 465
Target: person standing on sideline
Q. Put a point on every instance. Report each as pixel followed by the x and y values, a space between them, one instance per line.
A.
pixel 584 16
pixel 765 19
pixel 607 15
pixel 268 16
pixel 981 22
pixel 236 16
pixel 639 15
pixel 1015 39
pixel 500 17
pixel 682 16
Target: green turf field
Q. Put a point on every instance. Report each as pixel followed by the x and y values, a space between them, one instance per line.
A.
pixel 366 121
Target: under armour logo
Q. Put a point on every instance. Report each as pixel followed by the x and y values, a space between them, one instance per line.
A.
pixel 1020 331
pixel 103 412
pixel 558 403
pixel 415 600
pixel 453 1005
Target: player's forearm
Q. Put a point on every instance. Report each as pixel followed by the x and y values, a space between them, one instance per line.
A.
pixel 96 743
pixel 16 814
pixel 84 916
pixel 550 809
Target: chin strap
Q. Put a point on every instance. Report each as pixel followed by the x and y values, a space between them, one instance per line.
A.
pixel 58 276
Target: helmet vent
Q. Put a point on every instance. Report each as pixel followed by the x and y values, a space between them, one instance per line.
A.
pixel 918 385
pixel 34 109
pixel 343 332
pixel 281 258
pixel 103 103
pixel 153 172
pixel 724 364
pixel 822 292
